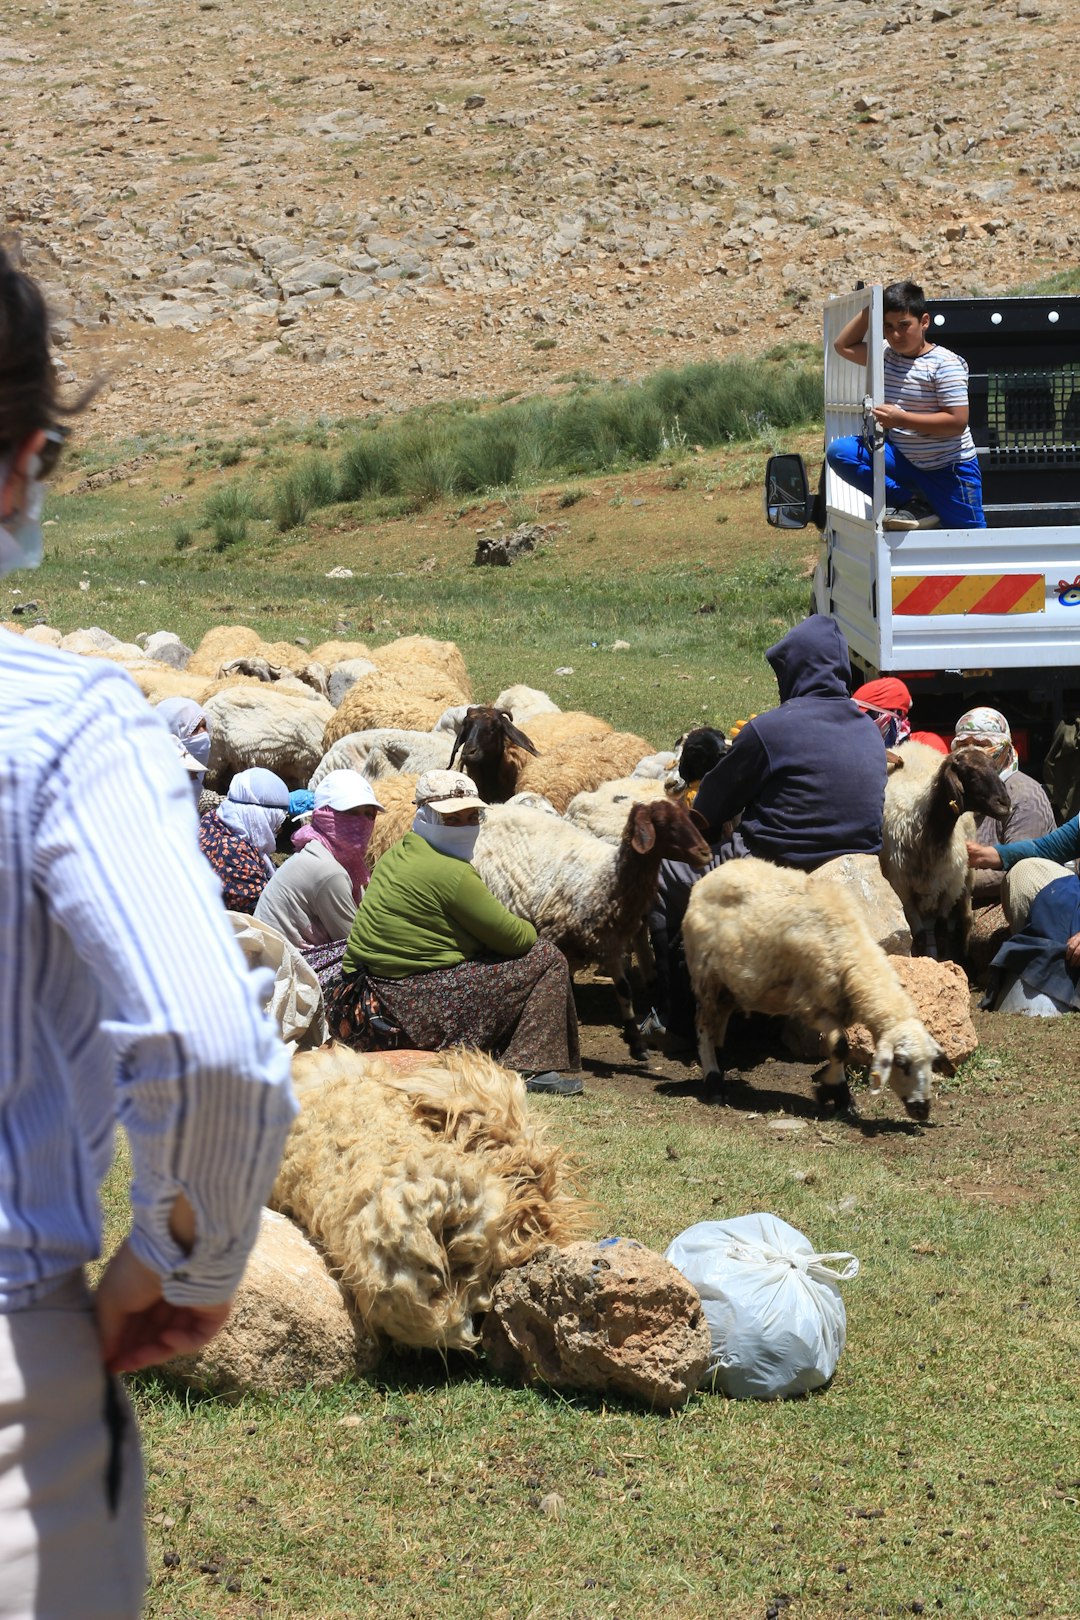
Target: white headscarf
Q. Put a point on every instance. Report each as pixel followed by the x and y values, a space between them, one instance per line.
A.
pixel 182 716
pixel 460 842
pixel 257 804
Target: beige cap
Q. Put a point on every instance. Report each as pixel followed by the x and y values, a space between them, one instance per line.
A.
pixel 447 791
pixel 188 761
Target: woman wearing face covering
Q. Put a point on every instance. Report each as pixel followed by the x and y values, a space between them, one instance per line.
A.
pixel 434 960
pixel 312 898
pixel 1031 815
pixel 239 837
pixel 189 722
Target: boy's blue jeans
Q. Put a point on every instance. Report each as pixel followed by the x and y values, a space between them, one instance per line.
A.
pixel 954 492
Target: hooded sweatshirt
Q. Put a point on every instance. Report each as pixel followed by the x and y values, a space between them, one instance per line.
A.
pixel 809 777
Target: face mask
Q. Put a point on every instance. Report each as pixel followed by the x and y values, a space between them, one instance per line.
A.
pixel 460 842
pixel 198 746
pixel 21 539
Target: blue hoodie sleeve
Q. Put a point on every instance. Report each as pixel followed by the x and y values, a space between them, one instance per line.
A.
pixel 730 786
pixel 1063 845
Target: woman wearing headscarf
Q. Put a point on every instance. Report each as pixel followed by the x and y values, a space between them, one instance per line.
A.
pixel 1031 815
pixel 190 724
pixel 887 702
pixel 239 837
pixel 312 898
pixel 434 960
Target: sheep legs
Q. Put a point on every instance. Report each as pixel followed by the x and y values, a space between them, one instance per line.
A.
pixel 624 996
pixel 712 1034
pixel 832 1081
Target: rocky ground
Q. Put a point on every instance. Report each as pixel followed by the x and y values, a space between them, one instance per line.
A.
pixel 248 210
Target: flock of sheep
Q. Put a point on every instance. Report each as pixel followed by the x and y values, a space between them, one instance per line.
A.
pixel 581 817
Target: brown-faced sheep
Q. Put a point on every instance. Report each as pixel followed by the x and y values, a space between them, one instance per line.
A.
pixel 767 939
pixel 421 1186
pixel 590 898
pixel 581 766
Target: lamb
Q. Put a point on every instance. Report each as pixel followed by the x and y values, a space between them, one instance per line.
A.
pixel 581 766
pixel 589 897
pixel 930 813
pixel 764 938
pixel 491 750
pixel 421 1186
pixel 412 698
pixel 603 812
pixel 265 725
pixel 385 752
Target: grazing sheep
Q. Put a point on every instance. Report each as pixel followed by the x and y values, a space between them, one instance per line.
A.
pixel 603 812
pixel 565 726
pixel 588 897
pixel 930 814
pixel 412 699
pixel 581 766
pixel 403 655
pixel 491 750
pixel 421 1186
pixel 385 752
pixel 524 703
pixel 764 938
pixel 265 725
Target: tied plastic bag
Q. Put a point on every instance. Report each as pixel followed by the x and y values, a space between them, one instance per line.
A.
pixel 772 1304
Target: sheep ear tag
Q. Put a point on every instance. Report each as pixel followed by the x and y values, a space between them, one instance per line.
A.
pixel 954 807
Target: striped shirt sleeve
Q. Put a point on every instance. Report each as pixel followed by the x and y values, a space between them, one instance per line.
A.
pixel 202 1079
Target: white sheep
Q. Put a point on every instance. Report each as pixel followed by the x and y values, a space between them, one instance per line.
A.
pixel 931 810
pixel 588 897
pixel 385 751
pixel 603 812
pixel 764 938
pixel 523 703
pixel 421 1184
pixel 580 765
pixel 265 725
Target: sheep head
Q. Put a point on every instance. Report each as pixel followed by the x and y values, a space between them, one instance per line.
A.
pixel 973 784
pixel 905 1059
pixel 481 749
pixel 662 826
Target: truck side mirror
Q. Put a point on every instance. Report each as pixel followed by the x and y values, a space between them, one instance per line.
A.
pixel 787 492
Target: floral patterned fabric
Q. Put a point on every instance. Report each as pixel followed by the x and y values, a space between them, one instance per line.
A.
pixel 237 863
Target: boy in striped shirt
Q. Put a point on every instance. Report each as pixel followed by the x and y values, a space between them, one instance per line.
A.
pixel 929 451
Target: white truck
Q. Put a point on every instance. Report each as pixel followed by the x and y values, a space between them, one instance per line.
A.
pixel 963 616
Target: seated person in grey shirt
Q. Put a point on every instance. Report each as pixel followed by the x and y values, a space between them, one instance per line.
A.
pixel 1031 815
pixel 313 896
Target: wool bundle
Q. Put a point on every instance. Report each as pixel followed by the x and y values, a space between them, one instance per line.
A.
pixel 421 1185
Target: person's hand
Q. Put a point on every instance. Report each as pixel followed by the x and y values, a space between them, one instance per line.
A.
pixel 1072 953
pixel 890 416
pixel 137 1326
pixel 983 855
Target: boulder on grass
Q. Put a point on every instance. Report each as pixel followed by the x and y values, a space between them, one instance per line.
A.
pixel 862 880
pixel 610 1316
pixel 289 1326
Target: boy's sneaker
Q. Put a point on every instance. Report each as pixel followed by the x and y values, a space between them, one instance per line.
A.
pixel 554 1084
pixel 915 516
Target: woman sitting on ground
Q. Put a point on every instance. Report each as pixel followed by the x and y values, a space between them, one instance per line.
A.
pixel 1037 970
pixel 1031 815
pixel 313 896
pixel 434 960
pixel 190 724
pixel 239 837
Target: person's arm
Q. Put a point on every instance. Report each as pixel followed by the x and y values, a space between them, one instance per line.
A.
pixel 487 919
pixel 729 787
pixel 1061 845
pixel 851 342
pixel 202 1079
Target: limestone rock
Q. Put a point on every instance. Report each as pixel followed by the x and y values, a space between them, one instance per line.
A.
pixel 166 648
pixel 861 878
pixel 92 640
pixel 940 991
pixel 289 1325
pixel 603 1316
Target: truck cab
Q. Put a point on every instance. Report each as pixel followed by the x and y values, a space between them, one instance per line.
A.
pixel 963 616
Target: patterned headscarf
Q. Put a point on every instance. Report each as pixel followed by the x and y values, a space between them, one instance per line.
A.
pixel 987 729
pixel 257 804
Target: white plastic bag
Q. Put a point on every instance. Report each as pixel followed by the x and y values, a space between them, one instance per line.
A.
pixel 772 1304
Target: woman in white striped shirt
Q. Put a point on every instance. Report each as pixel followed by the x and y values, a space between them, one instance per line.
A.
pixel 123 998
pixel 929 451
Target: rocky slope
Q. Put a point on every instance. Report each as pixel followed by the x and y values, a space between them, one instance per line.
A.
pixel 248 209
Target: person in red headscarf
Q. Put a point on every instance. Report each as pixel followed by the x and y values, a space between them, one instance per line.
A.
pixel 887 702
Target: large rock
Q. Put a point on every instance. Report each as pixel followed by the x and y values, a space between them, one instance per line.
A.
pixel 603 1316
pixel 861 878
pixel 166 648
pixel 941 993
pixel 289 1325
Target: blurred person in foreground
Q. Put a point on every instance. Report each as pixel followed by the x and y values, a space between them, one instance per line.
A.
pixel 124 1000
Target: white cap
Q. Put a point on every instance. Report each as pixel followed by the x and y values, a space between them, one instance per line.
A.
pixel 446 791
pixel 345 790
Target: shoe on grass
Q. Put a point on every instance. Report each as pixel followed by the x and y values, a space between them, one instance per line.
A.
pixel 553 1084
